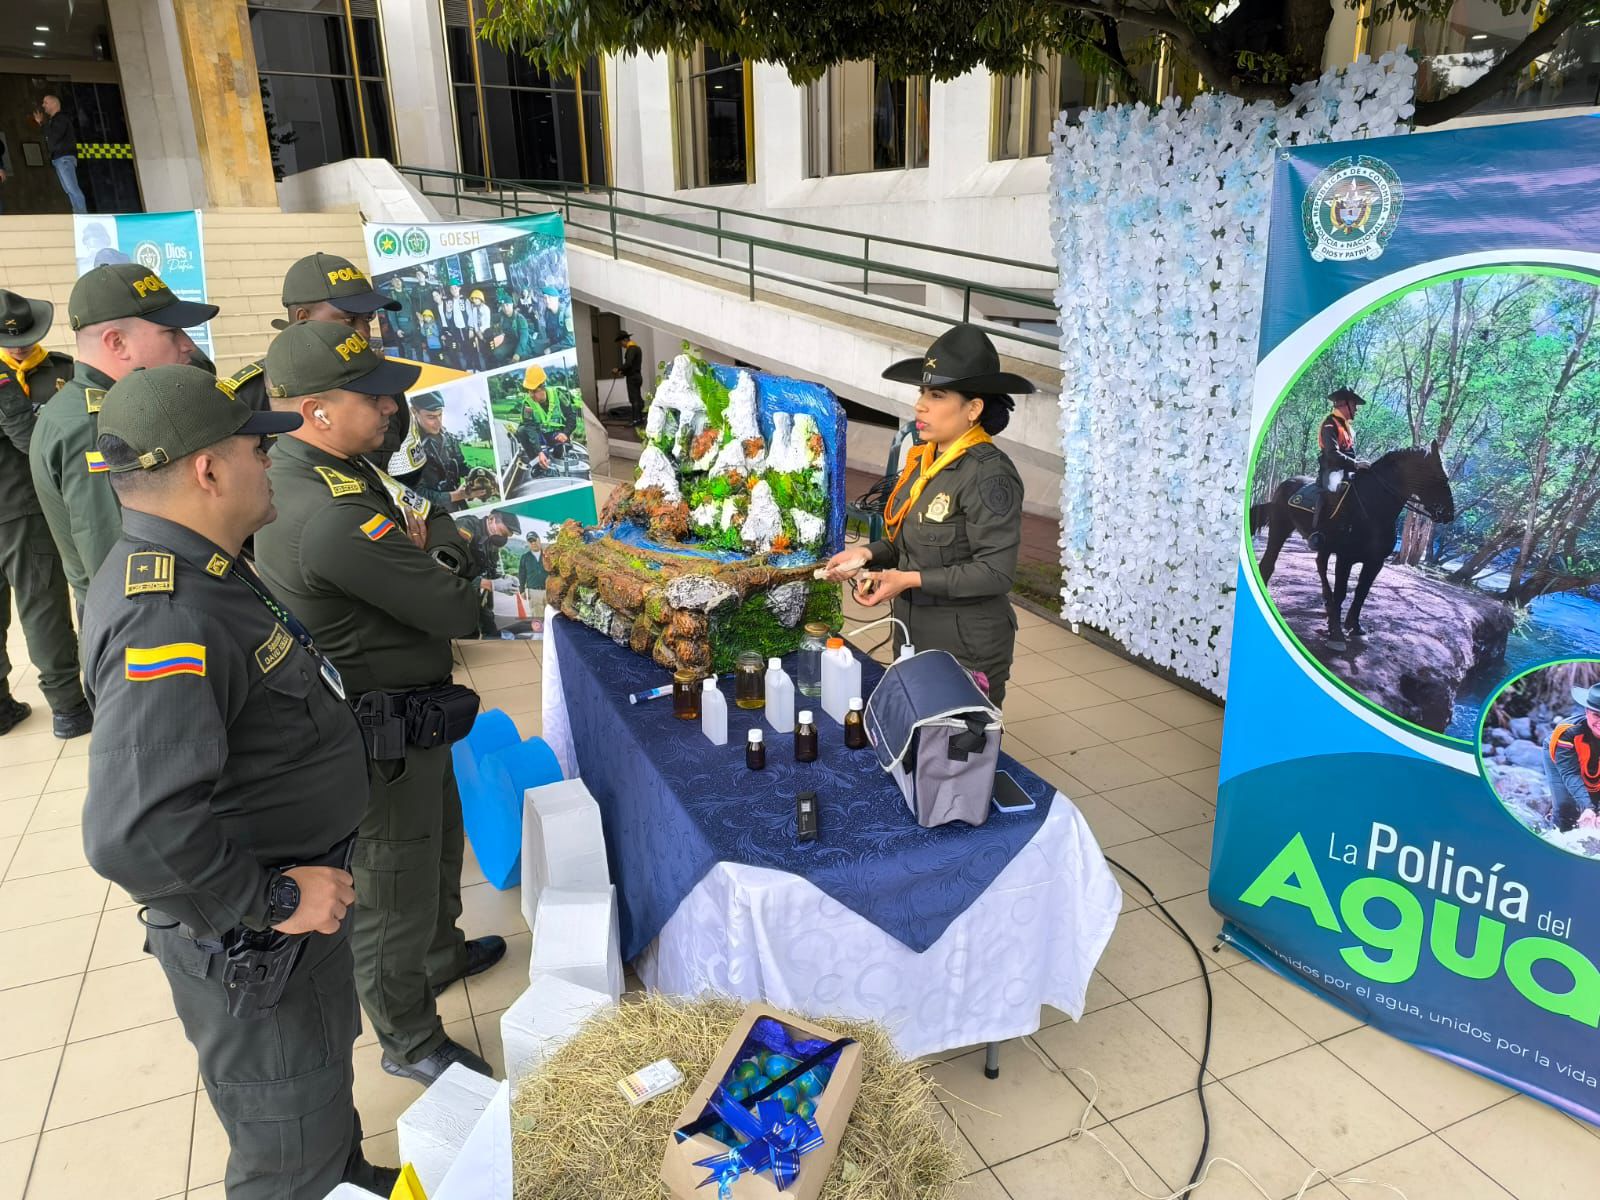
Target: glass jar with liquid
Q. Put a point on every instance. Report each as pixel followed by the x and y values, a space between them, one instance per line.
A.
pixel 855 725
pixel 755 751
pixel 750 681
pixel 686 695
pixel 805 738
pixel 808 675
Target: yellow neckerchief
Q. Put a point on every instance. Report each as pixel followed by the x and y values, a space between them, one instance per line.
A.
pixel 28 362
pixel 921 464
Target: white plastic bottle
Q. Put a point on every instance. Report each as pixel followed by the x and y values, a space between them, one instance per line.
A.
pixel 780 697
pixel 714 713
pixel 841 679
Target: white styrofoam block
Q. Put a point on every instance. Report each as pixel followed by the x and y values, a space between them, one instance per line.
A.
pixel 482 1171
pixel 575 937
pixel 349 1191
pixel 562 843
pixel 433 1129
pixel 542 1019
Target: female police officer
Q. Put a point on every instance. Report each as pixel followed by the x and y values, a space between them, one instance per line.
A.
pixel 954 519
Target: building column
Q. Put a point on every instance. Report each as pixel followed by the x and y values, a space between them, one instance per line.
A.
pixel 424 118
pixel 219 63
pixel 155 96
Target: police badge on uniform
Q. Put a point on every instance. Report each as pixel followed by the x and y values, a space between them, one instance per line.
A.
pixel 1351 209
pixel 938 508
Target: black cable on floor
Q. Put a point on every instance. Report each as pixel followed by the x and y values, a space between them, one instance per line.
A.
pixel 1205 1052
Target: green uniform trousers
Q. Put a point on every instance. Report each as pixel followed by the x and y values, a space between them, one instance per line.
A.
pixel 282 1086
pixel 982 635
pixel 30 570
pixel 407 869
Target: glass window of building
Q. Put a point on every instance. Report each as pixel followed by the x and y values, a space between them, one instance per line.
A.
pixel 861 120
pixel 1457 49
pixel 712 125
pixel 323 90
pixel 1026 106
pixel 517 120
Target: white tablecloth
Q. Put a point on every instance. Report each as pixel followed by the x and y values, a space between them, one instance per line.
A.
pixel 1032 938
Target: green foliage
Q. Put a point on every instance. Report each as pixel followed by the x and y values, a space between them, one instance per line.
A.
pixel 752 626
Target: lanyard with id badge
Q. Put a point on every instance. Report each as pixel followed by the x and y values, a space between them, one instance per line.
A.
pixel 329 673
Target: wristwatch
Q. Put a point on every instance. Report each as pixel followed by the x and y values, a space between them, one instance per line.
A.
pixel 283 897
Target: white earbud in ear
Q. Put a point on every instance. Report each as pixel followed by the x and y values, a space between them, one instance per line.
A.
pixel 321 416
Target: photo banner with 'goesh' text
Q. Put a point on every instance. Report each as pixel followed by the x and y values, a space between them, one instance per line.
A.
pixel 1408 815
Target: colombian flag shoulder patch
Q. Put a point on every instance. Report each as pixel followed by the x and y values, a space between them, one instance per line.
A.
pixel 377 526
pixel 95 461
pixel 158 662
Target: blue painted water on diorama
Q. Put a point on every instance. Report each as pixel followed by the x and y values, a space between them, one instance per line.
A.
pixel 1562 625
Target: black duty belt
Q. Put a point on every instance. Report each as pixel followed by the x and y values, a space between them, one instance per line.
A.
pixel 424 717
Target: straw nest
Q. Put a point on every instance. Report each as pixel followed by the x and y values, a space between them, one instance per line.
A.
pixel 574 1136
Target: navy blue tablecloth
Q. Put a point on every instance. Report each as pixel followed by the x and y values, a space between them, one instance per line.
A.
pixel 673 806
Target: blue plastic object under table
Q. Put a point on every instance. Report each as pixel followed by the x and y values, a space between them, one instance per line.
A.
pixel 494 766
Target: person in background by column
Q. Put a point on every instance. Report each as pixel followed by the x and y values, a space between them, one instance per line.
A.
pixel 125 318
pixel 226 780
pixel 383 584
pixel 30 566
pixel 61 143
pixel 632 369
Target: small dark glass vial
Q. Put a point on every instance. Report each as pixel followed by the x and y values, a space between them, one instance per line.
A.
pixel 755 751
pixel 855 726
pixel 686 695
pixel 805 738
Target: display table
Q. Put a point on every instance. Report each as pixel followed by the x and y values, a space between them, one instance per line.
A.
pixel 949 936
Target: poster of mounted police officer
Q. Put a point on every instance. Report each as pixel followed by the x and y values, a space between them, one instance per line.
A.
pixel 497 433
pixel 1408 814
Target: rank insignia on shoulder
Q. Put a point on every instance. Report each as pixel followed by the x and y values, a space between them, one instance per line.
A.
pixel 149 571
pixel 218 565
pixel 158 662
pixel 377 526
pixel 939 508
pixel 274 650
pixel 239 378
pixel 95 461
pixel 92 398
pixel 339 483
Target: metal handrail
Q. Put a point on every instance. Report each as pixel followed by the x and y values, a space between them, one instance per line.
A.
pixel 504 193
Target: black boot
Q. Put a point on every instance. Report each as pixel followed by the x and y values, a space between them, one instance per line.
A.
pixel 73 723
pixel 482 953
pixel 426 1070
pixel 1318 536
pixel 13 712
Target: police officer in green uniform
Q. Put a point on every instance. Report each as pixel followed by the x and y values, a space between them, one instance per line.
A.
pixel 432 462
pixel 383 584
pixel 511 337
pixel 225 783
pixel 30 565
pixel 955 518
pixel 318 287
pixel 125 318
pixel 549 418
pixel 484 537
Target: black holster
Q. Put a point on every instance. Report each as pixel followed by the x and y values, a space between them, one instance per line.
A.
pixel 381 716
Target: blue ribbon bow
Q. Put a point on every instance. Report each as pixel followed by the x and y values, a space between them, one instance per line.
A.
pixel 775 1140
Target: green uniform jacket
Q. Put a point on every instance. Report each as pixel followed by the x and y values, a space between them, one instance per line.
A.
pixel 233 758
pixel 518 343
pixel 381 608
pixel 485 554
pixel 963 535
pixel 531 575
pixel 18 409
pixel 82 511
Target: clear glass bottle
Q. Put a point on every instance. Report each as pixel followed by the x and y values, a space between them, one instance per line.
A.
pixel 808 675
pixel 686 695
pixel 750 681
pixel 855 726
pixel 805 738
pixel 755 751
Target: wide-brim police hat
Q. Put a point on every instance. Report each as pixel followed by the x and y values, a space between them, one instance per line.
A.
pixel 24 322
pixel 962 359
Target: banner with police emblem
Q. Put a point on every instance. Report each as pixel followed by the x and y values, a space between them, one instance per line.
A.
pixel 166 242
pixel 497 426
pixel 1408 815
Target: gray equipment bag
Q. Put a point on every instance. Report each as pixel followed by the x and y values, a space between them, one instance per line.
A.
pixel 938 735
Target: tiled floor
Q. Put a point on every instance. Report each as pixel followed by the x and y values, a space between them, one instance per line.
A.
pixel 98 1089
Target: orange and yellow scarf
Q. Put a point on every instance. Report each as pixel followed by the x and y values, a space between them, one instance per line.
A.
pixel 921 467
pixel 21 367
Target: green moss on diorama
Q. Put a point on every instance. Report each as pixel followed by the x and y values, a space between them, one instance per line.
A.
pixel 713 394
pixel 753 626
pixel 655 607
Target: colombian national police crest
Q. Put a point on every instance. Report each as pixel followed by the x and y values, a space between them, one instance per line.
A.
pixel 1351 209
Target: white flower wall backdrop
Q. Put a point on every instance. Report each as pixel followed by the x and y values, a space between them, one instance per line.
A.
pixel 1159 218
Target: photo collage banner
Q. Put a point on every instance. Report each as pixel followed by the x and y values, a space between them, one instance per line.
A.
pixel 497 433
pixel 1408 815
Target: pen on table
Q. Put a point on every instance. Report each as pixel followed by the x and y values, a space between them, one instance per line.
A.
pixel 664 690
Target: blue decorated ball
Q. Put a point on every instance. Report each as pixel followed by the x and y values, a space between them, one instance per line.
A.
pixel 806 1108
pixel 778 1064
pixel 748 1069
pixel 739 1089
pixel 809 1084
pixel 788 1096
